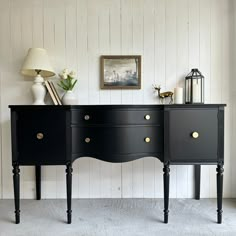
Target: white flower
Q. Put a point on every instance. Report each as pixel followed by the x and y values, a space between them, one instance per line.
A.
pixel 68 80
pixel 63 75
pixel 72 74
pixel 65 71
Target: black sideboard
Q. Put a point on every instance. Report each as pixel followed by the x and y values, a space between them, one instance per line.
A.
pixel 175 134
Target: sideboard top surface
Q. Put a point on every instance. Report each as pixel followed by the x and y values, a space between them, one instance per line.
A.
pixel 117 106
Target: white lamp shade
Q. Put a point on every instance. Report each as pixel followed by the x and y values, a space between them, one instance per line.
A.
pixel 37 59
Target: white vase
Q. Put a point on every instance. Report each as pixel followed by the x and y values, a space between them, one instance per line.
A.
pixel 69 98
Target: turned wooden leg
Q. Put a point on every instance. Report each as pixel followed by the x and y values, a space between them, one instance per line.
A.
pixel 219 175
pixel 38 182
pixel 197 174
pixel 69 171
pixel 166 178
pixel 16 184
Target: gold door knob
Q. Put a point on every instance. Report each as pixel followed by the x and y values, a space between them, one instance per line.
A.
pixel 195 134
pixel 147 117
pixel 147 140
pixel 87 140
pixel 39 136
pixel 86 117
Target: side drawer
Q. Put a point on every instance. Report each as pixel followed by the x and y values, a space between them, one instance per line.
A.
pixel 41 136
pixel 191 135
pixel 116 116
pixel 111 141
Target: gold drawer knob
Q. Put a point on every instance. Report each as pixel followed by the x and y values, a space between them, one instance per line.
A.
pixel 147 117
pixel 87 140
pixel 147 140
pixel 195 134
pixel 86 117
pixel 39 136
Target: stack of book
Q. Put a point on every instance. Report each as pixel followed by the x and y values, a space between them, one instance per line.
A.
pixel 53 92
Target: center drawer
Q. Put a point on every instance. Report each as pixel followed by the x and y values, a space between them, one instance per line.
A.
pixel 93 141
pixel 116 117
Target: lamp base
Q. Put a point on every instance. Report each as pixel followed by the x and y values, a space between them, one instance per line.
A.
pixel 38 90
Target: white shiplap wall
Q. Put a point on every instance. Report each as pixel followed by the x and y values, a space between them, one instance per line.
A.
pixel 172 36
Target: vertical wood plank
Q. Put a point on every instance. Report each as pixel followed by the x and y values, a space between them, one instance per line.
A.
pixel 4 65
pixel 137 44
pixel 103 170
pixel 12 28
pixel 71 56
pixel 93 52
pixel 170 68
pixel 194 61
pixel 205 65
pixel 126 41
pixel 227 65
pixel 137 166
pixel 115 95
pixel 81 167
pixel 216 51
pixel 95 178
pixel 148 52
pixel 148 65
pixel 38 35
pixel 37 22
pixel 104 46
pixel 27 38
pixel 205 45
pixel 84 177
pixel 104 95
pixel 160 41
pixel 59 64
pixel 181 71
pixel 16 57
pixel 233 148
pixel 231 9
pixel 82 52
pixel 171 49
pixel 216 69
pixel 0 131
pixel 127 96
pixel 159 78
pixel 49 173
pixel 194 34
pixel 115 41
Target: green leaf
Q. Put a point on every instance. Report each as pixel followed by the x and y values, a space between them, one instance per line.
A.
pixel 61 86
pixel 73 85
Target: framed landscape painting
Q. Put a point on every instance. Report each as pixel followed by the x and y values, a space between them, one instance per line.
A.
pixel 121 72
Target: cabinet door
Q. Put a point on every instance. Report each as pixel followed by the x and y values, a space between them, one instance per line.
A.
pixel 191 135
pixel 41 136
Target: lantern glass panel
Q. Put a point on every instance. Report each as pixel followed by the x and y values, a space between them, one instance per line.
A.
pixel 194 87
pixel 197 87
pixel 187 92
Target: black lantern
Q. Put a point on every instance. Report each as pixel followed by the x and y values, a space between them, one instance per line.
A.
pixel 194 87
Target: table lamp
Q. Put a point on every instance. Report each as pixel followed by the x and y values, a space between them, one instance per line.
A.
pixel 37 65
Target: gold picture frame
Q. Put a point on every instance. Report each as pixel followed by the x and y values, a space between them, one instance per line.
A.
pixel 120 72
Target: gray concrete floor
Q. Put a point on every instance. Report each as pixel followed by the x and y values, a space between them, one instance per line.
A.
pixel 118 217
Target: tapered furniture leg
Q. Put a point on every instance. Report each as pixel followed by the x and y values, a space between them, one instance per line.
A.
pixel 38 182
pixel 69 171
pixel 16 183
pixel 197 174
pixel 219 175
pixel 166 177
